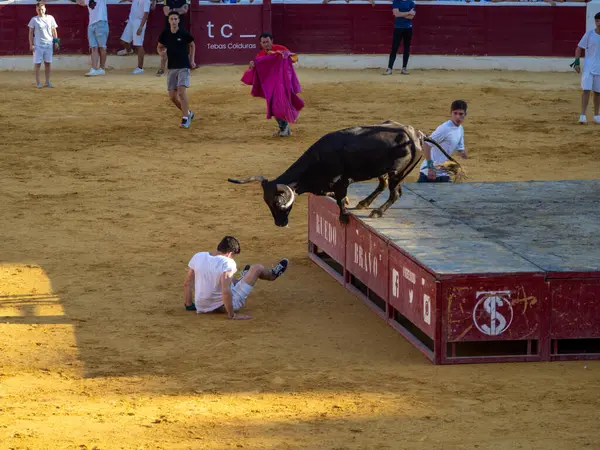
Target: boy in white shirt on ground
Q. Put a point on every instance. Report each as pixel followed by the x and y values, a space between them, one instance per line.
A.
pixel 215 290
pixel 451 136
pixel 590 77
pixel 135 30
pixel 42 38
pixel 97 34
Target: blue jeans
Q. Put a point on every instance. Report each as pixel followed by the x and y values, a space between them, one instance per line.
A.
pixel 282 124
pixel 98 34
pixel 423 179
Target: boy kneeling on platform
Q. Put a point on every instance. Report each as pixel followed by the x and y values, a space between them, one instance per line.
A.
pixel 450 135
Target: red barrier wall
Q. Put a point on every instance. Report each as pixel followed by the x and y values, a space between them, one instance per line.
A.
pixel 465 29
pixel 498 30
pixel 72 21
pixel 227 34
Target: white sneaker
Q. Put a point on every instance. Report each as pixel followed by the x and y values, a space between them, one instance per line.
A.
pixel 124 52
pixel 597 119
pixel 582 119
pixel 136 71
pixel 92 73
pixel 100 72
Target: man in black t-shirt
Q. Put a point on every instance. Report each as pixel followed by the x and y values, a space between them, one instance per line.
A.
pixel 181 7
pixel 179 47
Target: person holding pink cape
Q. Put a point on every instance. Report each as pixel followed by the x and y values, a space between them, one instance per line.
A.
pixel 272 77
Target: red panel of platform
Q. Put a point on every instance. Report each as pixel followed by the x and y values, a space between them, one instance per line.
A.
pixel 367 257
pixel 462 288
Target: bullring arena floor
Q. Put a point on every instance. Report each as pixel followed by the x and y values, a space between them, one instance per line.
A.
pixel 104 200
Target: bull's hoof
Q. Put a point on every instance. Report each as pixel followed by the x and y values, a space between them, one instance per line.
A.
pixel 376 213
pixel 361 205
pixel 345 219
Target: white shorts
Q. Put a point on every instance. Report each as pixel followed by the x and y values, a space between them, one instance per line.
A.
pixel 130 33
pixel 590 82
pixel 240 293
pixel 42 54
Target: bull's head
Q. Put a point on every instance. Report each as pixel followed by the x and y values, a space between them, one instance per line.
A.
pixel 278 197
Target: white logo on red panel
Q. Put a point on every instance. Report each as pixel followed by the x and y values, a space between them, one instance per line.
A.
pixel 493 312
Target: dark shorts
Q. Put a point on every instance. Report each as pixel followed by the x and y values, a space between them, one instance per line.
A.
pixel 423 179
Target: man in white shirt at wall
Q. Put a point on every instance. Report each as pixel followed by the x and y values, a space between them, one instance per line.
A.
pixel 590 76
pixel 215 290
pixel 97 34
pixel 451 137
pixel 135 30
pixel 42 38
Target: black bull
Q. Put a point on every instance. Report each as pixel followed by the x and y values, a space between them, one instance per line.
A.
pixel 388 151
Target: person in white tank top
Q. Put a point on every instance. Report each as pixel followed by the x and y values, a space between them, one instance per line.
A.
pixel 210 277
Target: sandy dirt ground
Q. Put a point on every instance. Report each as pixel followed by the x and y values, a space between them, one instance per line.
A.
pixel 104 201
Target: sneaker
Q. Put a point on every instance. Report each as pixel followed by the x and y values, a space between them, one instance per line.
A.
pixel 49 84
pixel 191 115
pixel 39 85
pixel 582 118
pixel 280 268
pixel 100 72
pixel 191 307
pixel 404 71
pixel 92 73
pixel 160 72
pixel 597 119
pixel 286 132
pixel 185 122
pixel 388 71
pixel 245 271
pixel 124 52
pixel 136 71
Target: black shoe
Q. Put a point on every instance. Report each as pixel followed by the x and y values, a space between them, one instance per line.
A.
pixel 280 268
pixel 191 307
pixel 245 271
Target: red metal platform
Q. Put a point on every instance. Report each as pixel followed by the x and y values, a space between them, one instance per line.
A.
pixel 474 272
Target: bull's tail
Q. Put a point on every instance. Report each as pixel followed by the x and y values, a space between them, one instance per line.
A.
pixel 452 166
pixel 246 180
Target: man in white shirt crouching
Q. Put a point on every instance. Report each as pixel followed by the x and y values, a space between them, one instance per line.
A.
pixel 215 289
pixel 451 137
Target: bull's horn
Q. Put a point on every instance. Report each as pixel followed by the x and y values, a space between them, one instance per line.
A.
pixel 290 191
pixel 246 180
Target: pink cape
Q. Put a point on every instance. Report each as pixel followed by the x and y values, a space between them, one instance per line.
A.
pixel 273 78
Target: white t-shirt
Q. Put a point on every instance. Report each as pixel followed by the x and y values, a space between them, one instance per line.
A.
pixel 591 43
pixel 99 12
pixel 451 138
pixel 207 271
pixel 42 30
pixel 138 8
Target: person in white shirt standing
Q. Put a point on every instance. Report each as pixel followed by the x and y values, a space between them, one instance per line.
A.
pixel 42 38
pixel 590 76
pixel 451 137
pixel 97 34
pixel 135 30
pixel 215 290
